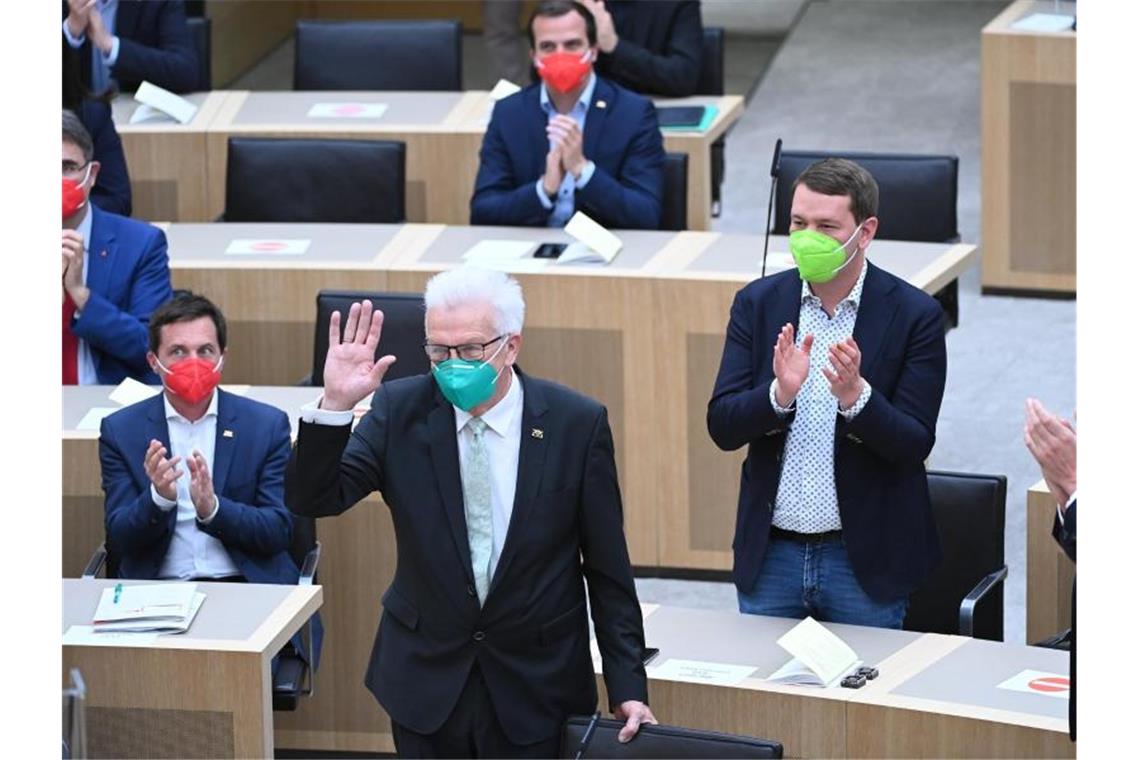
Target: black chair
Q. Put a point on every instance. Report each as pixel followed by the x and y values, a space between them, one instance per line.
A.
pixel 293 676
pixel 659 742
pixel 675 205
pixel 711 82
pixel 965 595
pixel 918 200
pixel 200 35
pixel 304 180
pixel 402 334
pixel 379 55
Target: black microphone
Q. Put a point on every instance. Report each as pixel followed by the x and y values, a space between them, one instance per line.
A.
pixel 771 200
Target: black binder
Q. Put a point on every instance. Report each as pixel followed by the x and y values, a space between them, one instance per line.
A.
pixel 661 742
pixel 680 116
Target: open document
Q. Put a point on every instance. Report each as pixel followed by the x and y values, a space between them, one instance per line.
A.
pixel 158 607
pixel 819 657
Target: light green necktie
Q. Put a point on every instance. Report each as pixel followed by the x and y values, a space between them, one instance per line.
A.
pixel 477 507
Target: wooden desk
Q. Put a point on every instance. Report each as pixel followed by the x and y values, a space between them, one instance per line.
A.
pixel 1048 572
pixel 204 693
pixel 1029 156
pixel 935 696
pixel 443 132
pixel 358 561
pixel 642 335
pixel 167 160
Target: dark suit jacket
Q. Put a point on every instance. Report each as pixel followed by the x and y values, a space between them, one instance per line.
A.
pixel 129 277
pixel 659 46
pixel 1065 533
pixel 112 191
pixel 880 479
pixel 249 480
pixel 530 638
pixel 621 138
pixel 154 44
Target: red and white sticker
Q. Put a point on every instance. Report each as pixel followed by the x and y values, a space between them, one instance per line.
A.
pixel 347 110
pixel 272 246
pixel 1038 682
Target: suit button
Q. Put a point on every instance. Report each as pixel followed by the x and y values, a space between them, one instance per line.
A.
pixel 470 590
pixel 479 636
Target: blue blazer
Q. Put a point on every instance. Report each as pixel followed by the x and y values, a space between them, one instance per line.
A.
pixel 154 44
pixel 112 191
pixel 249 480
pixel 129 277
pixel 622 138
pixel 880 477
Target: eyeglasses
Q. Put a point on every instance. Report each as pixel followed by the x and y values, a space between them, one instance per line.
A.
pixel 72 169
pixel 474 352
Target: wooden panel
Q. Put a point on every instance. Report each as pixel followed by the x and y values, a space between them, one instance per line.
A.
pixel 245 31
pixel 1048 572
pixel 466 11
pixel 82 504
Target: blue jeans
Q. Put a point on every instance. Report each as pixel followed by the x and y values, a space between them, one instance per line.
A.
pixel 800 579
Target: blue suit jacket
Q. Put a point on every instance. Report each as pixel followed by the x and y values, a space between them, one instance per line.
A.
pixel 622 138
pixel 154 44
pixel 249 480
pixel 880 478
pixel 129 277
pixel 112 191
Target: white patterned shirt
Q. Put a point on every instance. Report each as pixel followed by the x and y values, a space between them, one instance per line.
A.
pixel 806 501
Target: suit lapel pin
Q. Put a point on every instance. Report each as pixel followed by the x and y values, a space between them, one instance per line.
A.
pixel 601 104
pixel 103 253
pixel 227 434
pixel 536 433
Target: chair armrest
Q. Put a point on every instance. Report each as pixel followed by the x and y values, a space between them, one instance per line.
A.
pixel 309 567
pixel 96 562
pixel 977 593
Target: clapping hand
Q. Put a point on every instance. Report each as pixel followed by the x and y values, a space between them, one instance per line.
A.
pixel 1053 443
pixel 790 364
pixel 351 368
pixel 846 382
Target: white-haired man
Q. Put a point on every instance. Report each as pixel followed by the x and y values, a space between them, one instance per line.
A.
pixel 504 495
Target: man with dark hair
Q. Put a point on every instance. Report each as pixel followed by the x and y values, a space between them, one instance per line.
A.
pixel 650 47
pixel 572 142
pixel 194 477
pixel 833 375
pixel 123 42
pixel 115 273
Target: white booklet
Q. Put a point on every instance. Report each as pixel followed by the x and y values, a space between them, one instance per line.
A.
pixel 153 625
pixel 819 657
pixel 158 103
pixel 596 244
pixel 159 602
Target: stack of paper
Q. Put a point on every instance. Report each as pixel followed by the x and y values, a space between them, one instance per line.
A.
pixel 160 607
pixel 819 657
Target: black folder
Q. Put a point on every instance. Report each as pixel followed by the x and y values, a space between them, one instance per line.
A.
pixel 662 742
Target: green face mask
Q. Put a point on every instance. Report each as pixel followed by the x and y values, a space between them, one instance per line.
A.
pixel 819 257
pixel 467 383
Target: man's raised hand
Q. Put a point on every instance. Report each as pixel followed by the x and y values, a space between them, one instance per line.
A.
pixel 351 369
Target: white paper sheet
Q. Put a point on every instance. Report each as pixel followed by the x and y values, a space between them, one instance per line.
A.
pixel 697 671
pixel 596 237
pixel 1044 22
pixel 273 246
pixel 167 102
pixel 504 88
pixel 94 417
pixel 1053 685
pixel 817 650
pixel 131 391
pixel 347 110
pixel 84 635
pixel 492 250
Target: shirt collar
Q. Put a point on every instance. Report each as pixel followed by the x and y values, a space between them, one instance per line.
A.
pixel 84 228
pixel 172 413
pixel 501 415
pixel 853 297
pixel 583 99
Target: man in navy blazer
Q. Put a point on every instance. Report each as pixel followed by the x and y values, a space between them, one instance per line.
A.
pixel 194 477
pixel 574 142
pixel 834 518
pixel 128 41
pixel 115 273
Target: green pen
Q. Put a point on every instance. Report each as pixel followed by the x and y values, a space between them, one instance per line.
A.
pixel 118 591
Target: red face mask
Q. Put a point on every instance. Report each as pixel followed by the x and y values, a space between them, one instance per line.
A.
pixel 73 197
pixel 192 380
pixel 563 72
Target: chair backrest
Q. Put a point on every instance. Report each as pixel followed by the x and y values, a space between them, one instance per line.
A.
pixel 657 741
pixel 918 194
pixel 306 180
pixel 200 35
pixel 711 80
pixel 969 511
pixel 378 55
pixel 675 204
pixel 402 334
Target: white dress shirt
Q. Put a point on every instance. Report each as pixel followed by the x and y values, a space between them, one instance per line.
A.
pixel 502 439
pixel 192 553
pixel 85 365
pixel 806 501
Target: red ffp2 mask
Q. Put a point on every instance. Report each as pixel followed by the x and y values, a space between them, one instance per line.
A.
pixel 192 380
pixel 563 72
pixel 73 198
